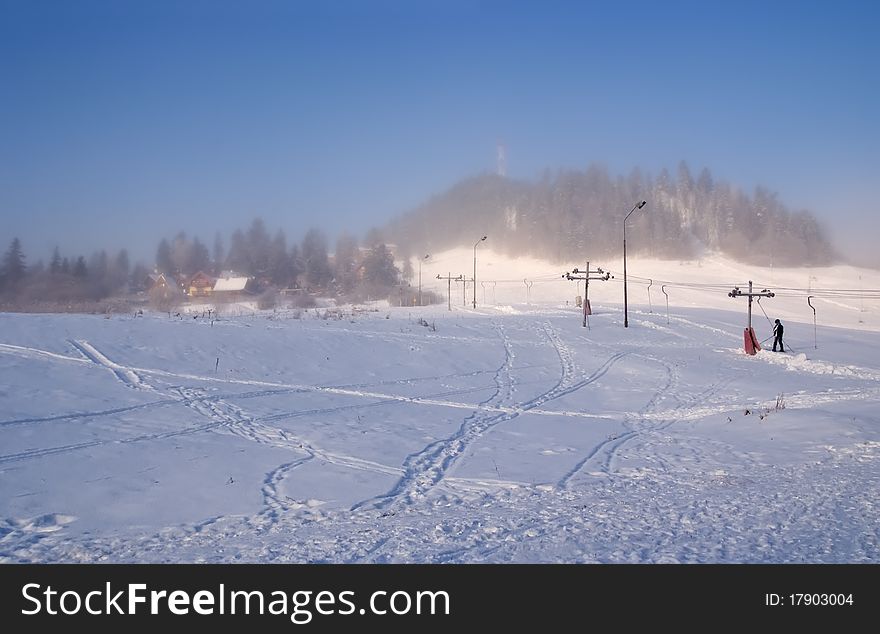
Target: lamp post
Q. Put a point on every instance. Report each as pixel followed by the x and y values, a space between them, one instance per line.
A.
pixel 475 269
pixel 420 276
pixel 625 314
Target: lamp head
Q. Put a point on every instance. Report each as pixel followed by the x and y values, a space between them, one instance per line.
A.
pixel 642 204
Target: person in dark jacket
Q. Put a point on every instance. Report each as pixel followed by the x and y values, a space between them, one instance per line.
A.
pixel 777 336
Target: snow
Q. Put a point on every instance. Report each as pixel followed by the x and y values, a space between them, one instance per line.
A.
pixel 231 284
pixel 509 433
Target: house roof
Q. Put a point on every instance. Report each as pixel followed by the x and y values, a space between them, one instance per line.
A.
pixel 231 284
pixel 202 276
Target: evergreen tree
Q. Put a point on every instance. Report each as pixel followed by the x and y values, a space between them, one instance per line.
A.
pixel 198 257
pixel 181 249
pixel 164 264
pixel 379 269
pixel 119 271
pixel 315 260
pixel 345 262
pixel 138 278
pixel 238 259
pixel 258 243
pixel 279 261
pixel 13 263
pixel 55 262
pixel 296 264
pixel 218 254
pixel 80 269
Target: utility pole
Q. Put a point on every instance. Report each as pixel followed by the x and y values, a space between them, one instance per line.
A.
pixel 461 278
pixel 475 269
pixel 584 275
pixel 815 341
pixel 528 291
pixel 663 288
pixel 650 284
pixel 750 341
pixel 625 312
pixel 449 279
pixel 420 276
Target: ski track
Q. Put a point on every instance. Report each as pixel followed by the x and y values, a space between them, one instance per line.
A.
pixel 126 376
pixel 48 451
pixel 606 451
pixel 604 454
pixel 233 419
pixel 35 353
pixel 280 388
pixel 648 421
pixel 425 469
pixel 421 471
pixel 428 468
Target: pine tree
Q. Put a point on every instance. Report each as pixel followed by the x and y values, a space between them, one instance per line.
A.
pixel 296 264
pixel 345 262
pixel 119 271
pixel 279 261
pixel 218 254
pixel 258 243
pixel 315 260
pixel 238 259
pixel 55 263
pixel 379 269
pixel 13 269
pixel 80 269
pixel 198 257
pixel 164 264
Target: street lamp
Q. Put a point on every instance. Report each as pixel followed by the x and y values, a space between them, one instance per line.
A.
pixel 475 269
pixel 625 314
pixel 420 276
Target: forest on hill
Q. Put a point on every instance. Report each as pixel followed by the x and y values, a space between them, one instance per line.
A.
pixel 571 214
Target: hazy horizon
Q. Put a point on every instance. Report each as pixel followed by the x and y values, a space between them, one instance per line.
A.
pixel 124 123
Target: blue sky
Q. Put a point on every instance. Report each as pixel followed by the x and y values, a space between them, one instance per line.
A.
pixel 122 122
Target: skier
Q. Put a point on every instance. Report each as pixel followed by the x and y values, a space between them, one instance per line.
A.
pixel 777 336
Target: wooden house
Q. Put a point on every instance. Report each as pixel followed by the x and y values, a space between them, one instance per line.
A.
pixel 200 285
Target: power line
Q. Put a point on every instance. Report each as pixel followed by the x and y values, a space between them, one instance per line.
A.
pixel 449 279
pixel 586 275
pixel 750 340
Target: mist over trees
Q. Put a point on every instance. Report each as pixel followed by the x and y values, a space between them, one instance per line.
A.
pixel 66 280
pixel 569 215
pixel 565 216
pixel 353 272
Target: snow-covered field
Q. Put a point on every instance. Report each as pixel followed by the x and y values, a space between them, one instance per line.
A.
pixel 506 434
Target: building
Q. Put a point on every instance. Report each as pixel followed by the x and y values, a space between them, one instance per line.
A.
pixel 232 288
pixel 200 285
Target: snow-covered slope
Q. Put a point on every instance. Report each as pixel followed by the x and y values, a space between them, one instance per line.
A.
pixel 506 434
pixel 843 295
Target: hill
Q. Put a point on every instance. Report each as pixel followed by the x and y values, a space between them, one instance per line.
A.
pixel 573 214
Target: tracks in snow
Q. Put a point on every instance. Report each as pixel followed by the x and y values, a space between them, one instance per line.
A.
pixel 649 420
pixel 427 468
pixel 126 375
